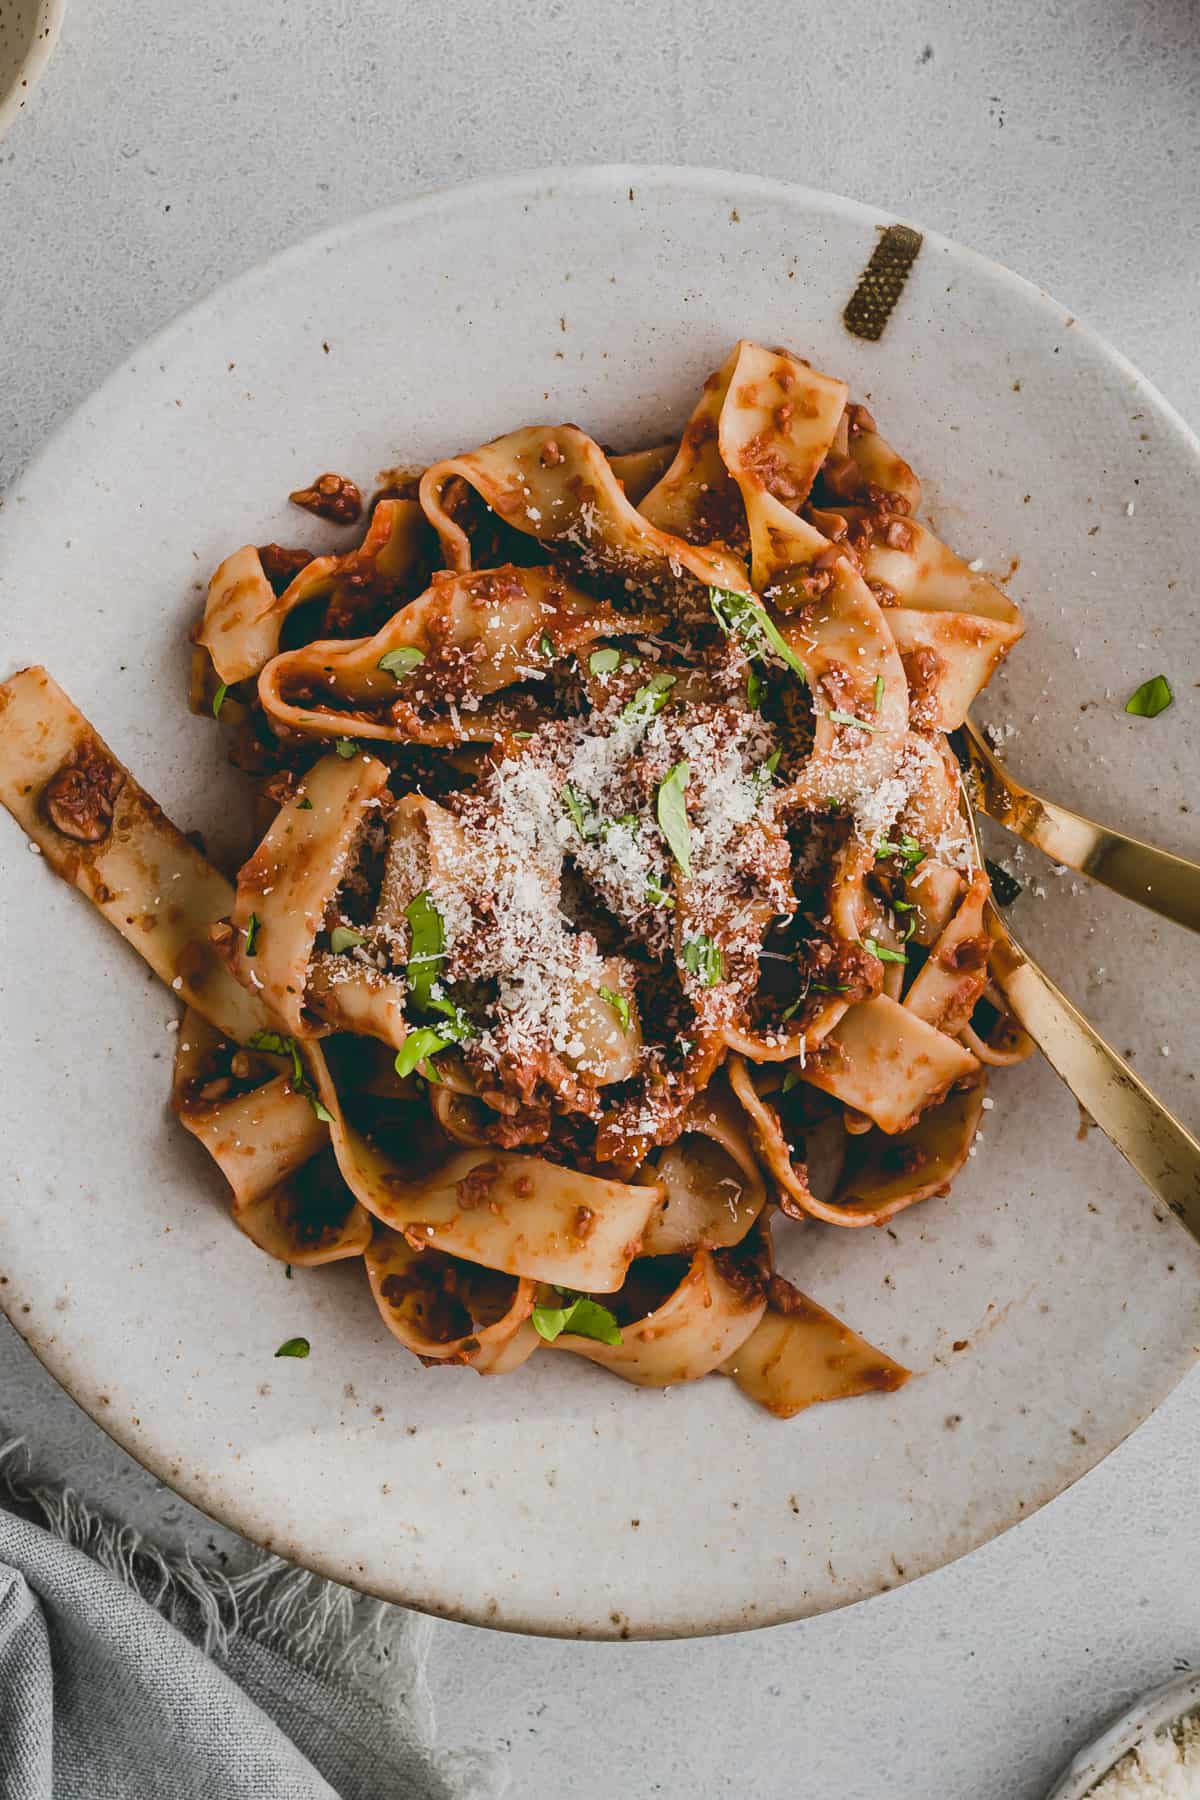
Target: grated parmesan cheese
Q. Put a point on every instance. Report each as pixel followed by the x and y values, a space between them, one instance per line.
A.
pixel 1164 1766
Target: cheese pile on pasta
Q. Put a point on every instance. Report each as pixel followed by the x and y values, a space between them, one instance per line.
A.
pixel 612 867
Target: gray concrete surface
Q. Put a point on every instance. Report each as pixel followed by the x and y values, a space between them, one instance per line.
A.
pixel 170 147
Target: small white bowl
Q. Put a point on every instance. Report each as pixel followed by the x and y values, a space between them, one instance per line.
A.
pixel 28 33
pixel 1160 1708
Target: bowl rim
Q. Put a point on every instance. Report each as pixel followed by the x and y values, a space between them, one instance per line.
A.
pixel 47 23
pixel 1162 1706
pixel 532 184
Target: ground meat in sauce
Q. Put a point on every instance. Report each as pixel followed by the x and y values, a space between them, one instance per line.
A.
pixel 332 497
pixel 79 799
pixel 281 566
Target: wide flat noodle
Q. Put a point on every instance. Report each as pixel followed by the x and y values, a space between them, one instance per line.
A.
pixel 289 882
pixel 714 1309
pixel 714 1187
pixel 882 1175
pixel 259 1135
pixel 140 873
pixel 885 1062
pixel 949 985
pixel 243 616
pixel 447 1311
pixel 555 483
pixel 475 634
pixel 806 1355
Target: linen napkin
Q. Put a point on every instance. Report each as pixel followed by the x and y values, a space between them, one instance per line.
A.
pixel 128 1675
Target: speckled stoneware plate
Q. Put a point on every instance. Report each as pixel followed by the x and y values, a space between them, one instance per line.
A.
pixel 28 33
pixel 1047 1305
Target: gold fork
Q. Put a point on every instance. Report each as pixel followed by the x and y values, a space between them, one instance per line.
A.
pixel 1164 1152
pixel 1167 884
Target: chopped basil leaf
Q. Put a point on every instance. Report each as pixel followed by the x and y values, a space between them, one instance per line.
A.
pixel 765 772
pixel 253 927
pixel 546 644
pixel 883 953
pixel 322 1111
pixel 294 1347
pixel 604 662
pixel 740 615
pixel 275 1044
pixel 418 1046
pixel 304 805
pixel 830 987
pixel 908 851
pixel 427 948
pixel 1154 696
pixel 703 959
pixel 346 748
pixel 584 1317
pixel 649 699
pixel 343 938
pixel 879 687
pixel 790 1080
pixel 1005 887
pixel 627 821
pixel 582 814
pixel 522 737
pixel 218 699
pixel 672 815
pixel 756 690
pixel 845 718
pixel 789 1012
pixel 458 1027
pixel 401 662
pixel 657 894
pixel 619 1004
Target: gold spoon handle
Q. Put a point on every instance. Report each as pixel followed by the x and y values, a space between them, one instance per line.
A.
pixel 1169 885
pixel 1163 1152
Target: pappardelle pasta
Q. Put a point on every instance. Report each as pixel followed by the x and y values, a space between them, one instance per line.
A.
pixel 610 881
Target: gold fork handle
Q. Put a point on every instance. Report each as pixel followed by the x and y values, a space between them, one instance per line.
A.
pixel 1163 1152
pixel 1169 885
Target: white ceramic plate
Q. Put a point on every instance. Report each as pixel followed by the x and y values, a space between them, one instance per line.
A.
pixel 559 1500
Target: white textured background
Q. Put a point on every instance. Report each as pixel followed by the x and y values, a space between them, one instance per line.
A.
pixel 170 146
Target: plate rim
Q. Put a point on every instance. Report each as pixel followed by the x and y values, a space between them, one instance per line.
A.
pixel 535 183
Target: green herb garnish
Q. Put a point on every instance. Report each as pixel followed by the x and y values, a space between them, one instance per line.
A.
pixel 583 1317
pixel 401 662
pixel 343 938
pixel 295 1346
pixel 619 1004
pixel 883 953
pixel 346 748
pixel 657 894
pixel 427 948
pixel 304 805
pixel 845 718
pixel 756 690
pixel 765 772
pixel 741 616
pixel 604 662
pixel 322 1111
pixel 908 852
pixel 703 959
pixel 583 816
pixel 218 699
pixel 672 815
pixel 546 644
pixel 275 1044
pixel 253 927
pixel 1154 696
pixel 649 700
pixel 791 1080
pixel 418 1046
pixel 879 687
